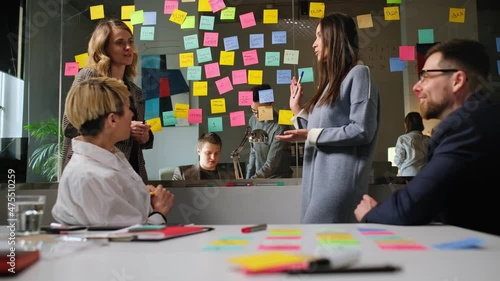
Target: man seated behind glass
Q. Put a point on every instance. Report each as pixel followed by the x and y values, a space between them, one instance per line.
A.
pixel 209 149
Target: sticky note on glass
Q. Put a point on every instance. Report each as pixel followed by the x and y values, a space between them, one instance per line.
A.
pixel 426 36
pixel 228 13
pixel 81 59
pixel 195 116
pixel 245 98
pixel 96 12
pixel 204 55
pixel 364 21
pixel 181 110
pixel 239 76
pixel 266 96
pixel 226 58
pixel 250 57
pixel 265 112
pixel 291 57
pixel 191 42
pixel 255 77
pixel 237 118
pixel 457 15
pixel 193 73
pixel 217 5
pixel 391 13
pixel 189 22
pixel 204 6
pixel 186 59
pixel 129 24
pixel 178 16
pixel 256 41
pixel 70 69
pixel 278 37
pixel 137 17
pixel 218 105
pixel 498 66
pixel 126 11
pixel 169 119
pixel 224 85
pixel 308 74
pixel 272 59
pixel 498 44
pixel 406 52
pixel 207 23
pixel 396 64
pixel 270 16
pixel 317 10
pixel 214 124
pixel 149 18
pixel 200 88
pixel 211 39
pixel 147 33
pixel 169 6
pixel 247 20
pixel 283 76
pixel 285 117
pixel 155 124
pixel 231 43
pixel 212 70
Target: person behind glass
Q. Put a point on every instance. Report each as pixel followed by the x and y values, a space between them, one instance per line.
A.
pixel 411 148
pixel 99 187
pixel 271 159
pixel 209 149
pixel 451 187
pixel 339 124
pixel 112 53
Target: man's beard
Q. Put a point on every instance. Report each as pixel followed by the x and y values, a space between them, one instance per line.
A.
pixel 432 110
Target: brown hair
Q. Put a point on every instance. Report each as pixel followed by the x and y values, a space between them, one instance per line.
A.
pixel 413 122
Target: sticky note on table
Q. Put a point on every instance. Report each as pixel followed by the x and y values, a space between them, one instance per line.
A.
pixel 364 21
pixel 96 12
pixel 457 15
pixel 467 243
pixel 263 261
pixel 391 13
pixel 155 124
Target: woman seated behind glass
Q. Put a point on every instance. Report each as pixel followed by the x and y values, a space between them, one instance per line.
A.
pixel 99 187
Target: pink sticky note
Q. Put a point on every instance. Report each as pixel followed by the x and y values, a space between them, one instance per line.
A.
pixel 250 57
pixel 211 39
pixel 406 52
pixel 195 116
pixel 237 118
pixel 217 5
pixel 239 76
pixel 170 6
pixel 212 70
pixel 247 20
pixel 224 85
pixel 245 98
pixel 402 247
pixel 70 69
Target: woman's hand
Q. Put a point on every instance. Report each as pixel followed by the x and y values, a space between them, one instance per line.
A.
pixel 295 96
pixel 163 200
pixel 140 131
pixel 293 135
pixel 367 203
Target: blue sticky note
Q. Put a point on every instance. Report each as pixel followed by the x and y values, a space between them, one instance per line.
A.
pixel 283 76
pixel 149 18
pixel 207 23
pixel 369 229
pixel 223 248
pixel 150 61
pixel 204 55
pixel 498 44
pixel 278 37
pixel 426 36
pixel 191 42
pixel 468 243
pixel 169 119
pixel 308 74
pixel 214 124
pixel 194 73
pixel 147 33
pixel 231 43
pixel 256 41
pixel 152 109
pixel 498 66
pixel 266 96
pixel 272 59
pixel 396 64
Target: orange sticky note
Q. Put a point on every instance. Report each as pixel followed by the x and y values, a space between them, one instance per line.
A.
pixel 155 124
pixel 365 21
pixel 96 12
pixel 457 15
pixel 265 112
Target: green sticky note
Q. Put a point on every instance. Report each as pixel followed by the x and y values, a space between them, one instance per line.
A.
pixel 272 59
pixel 425 36
pixel 191 42
pixel 308 74
pixel 215 124
pixel 147 33
pixel 228 13
pixel 189 22
pixel 137 17
pixel 393 1
pixel 169 119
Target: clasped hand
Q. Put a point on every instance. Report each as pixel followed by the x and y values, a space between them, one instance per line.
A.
pixel 140 131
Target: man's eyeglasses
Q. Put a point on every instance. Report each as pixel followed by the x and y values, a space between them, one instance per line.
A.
pixel 423 74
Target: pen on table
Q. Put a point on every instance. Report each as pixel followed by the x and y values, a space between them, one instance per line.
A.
pixel 365 269
pixel 298 82
pixel 255 228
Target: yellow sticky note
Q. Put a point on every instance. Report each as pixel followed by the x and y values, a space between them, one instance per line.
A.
pixel 96 12
pixel 181 110
pixel 218 105
pixel 285 116
pixel 255 77
pixel 186 59
pixel 226 58
pixel 126 11
pixel 129 24
pixel 81 59
pixel 228 13
pixel 204 6
pixel 155 124
pixel 265 112
pixel 200 88
pixel 230 242
pixel 391 13
pixel 457 15
pixel 263 261
pixel 189 22
pixel 365 21
pixel 178 16
pixel 270 16
pixel 316 10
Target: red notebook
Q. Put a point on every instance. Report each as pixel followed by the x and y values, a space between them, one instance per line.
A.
pixel 14 265
pixel 168 232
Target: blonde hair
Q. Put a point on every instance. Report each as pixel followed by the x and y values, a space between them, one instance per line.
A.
pixel 89 102
pixel 98 58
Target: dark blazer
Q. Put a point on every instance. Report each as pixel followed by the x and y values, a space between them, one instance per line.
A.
pixel 192 172
pixel 455 186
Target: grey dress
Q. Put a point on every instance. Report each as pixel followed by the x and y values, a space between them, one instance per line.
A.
pixel 339 150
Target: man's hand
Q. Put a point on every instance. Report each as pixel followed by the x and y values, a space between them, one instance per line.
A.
pixel 366 204
pixel 140 131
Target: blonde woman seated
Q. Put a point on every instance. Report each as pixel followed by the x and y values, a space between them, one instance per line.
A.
pixel 99 187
